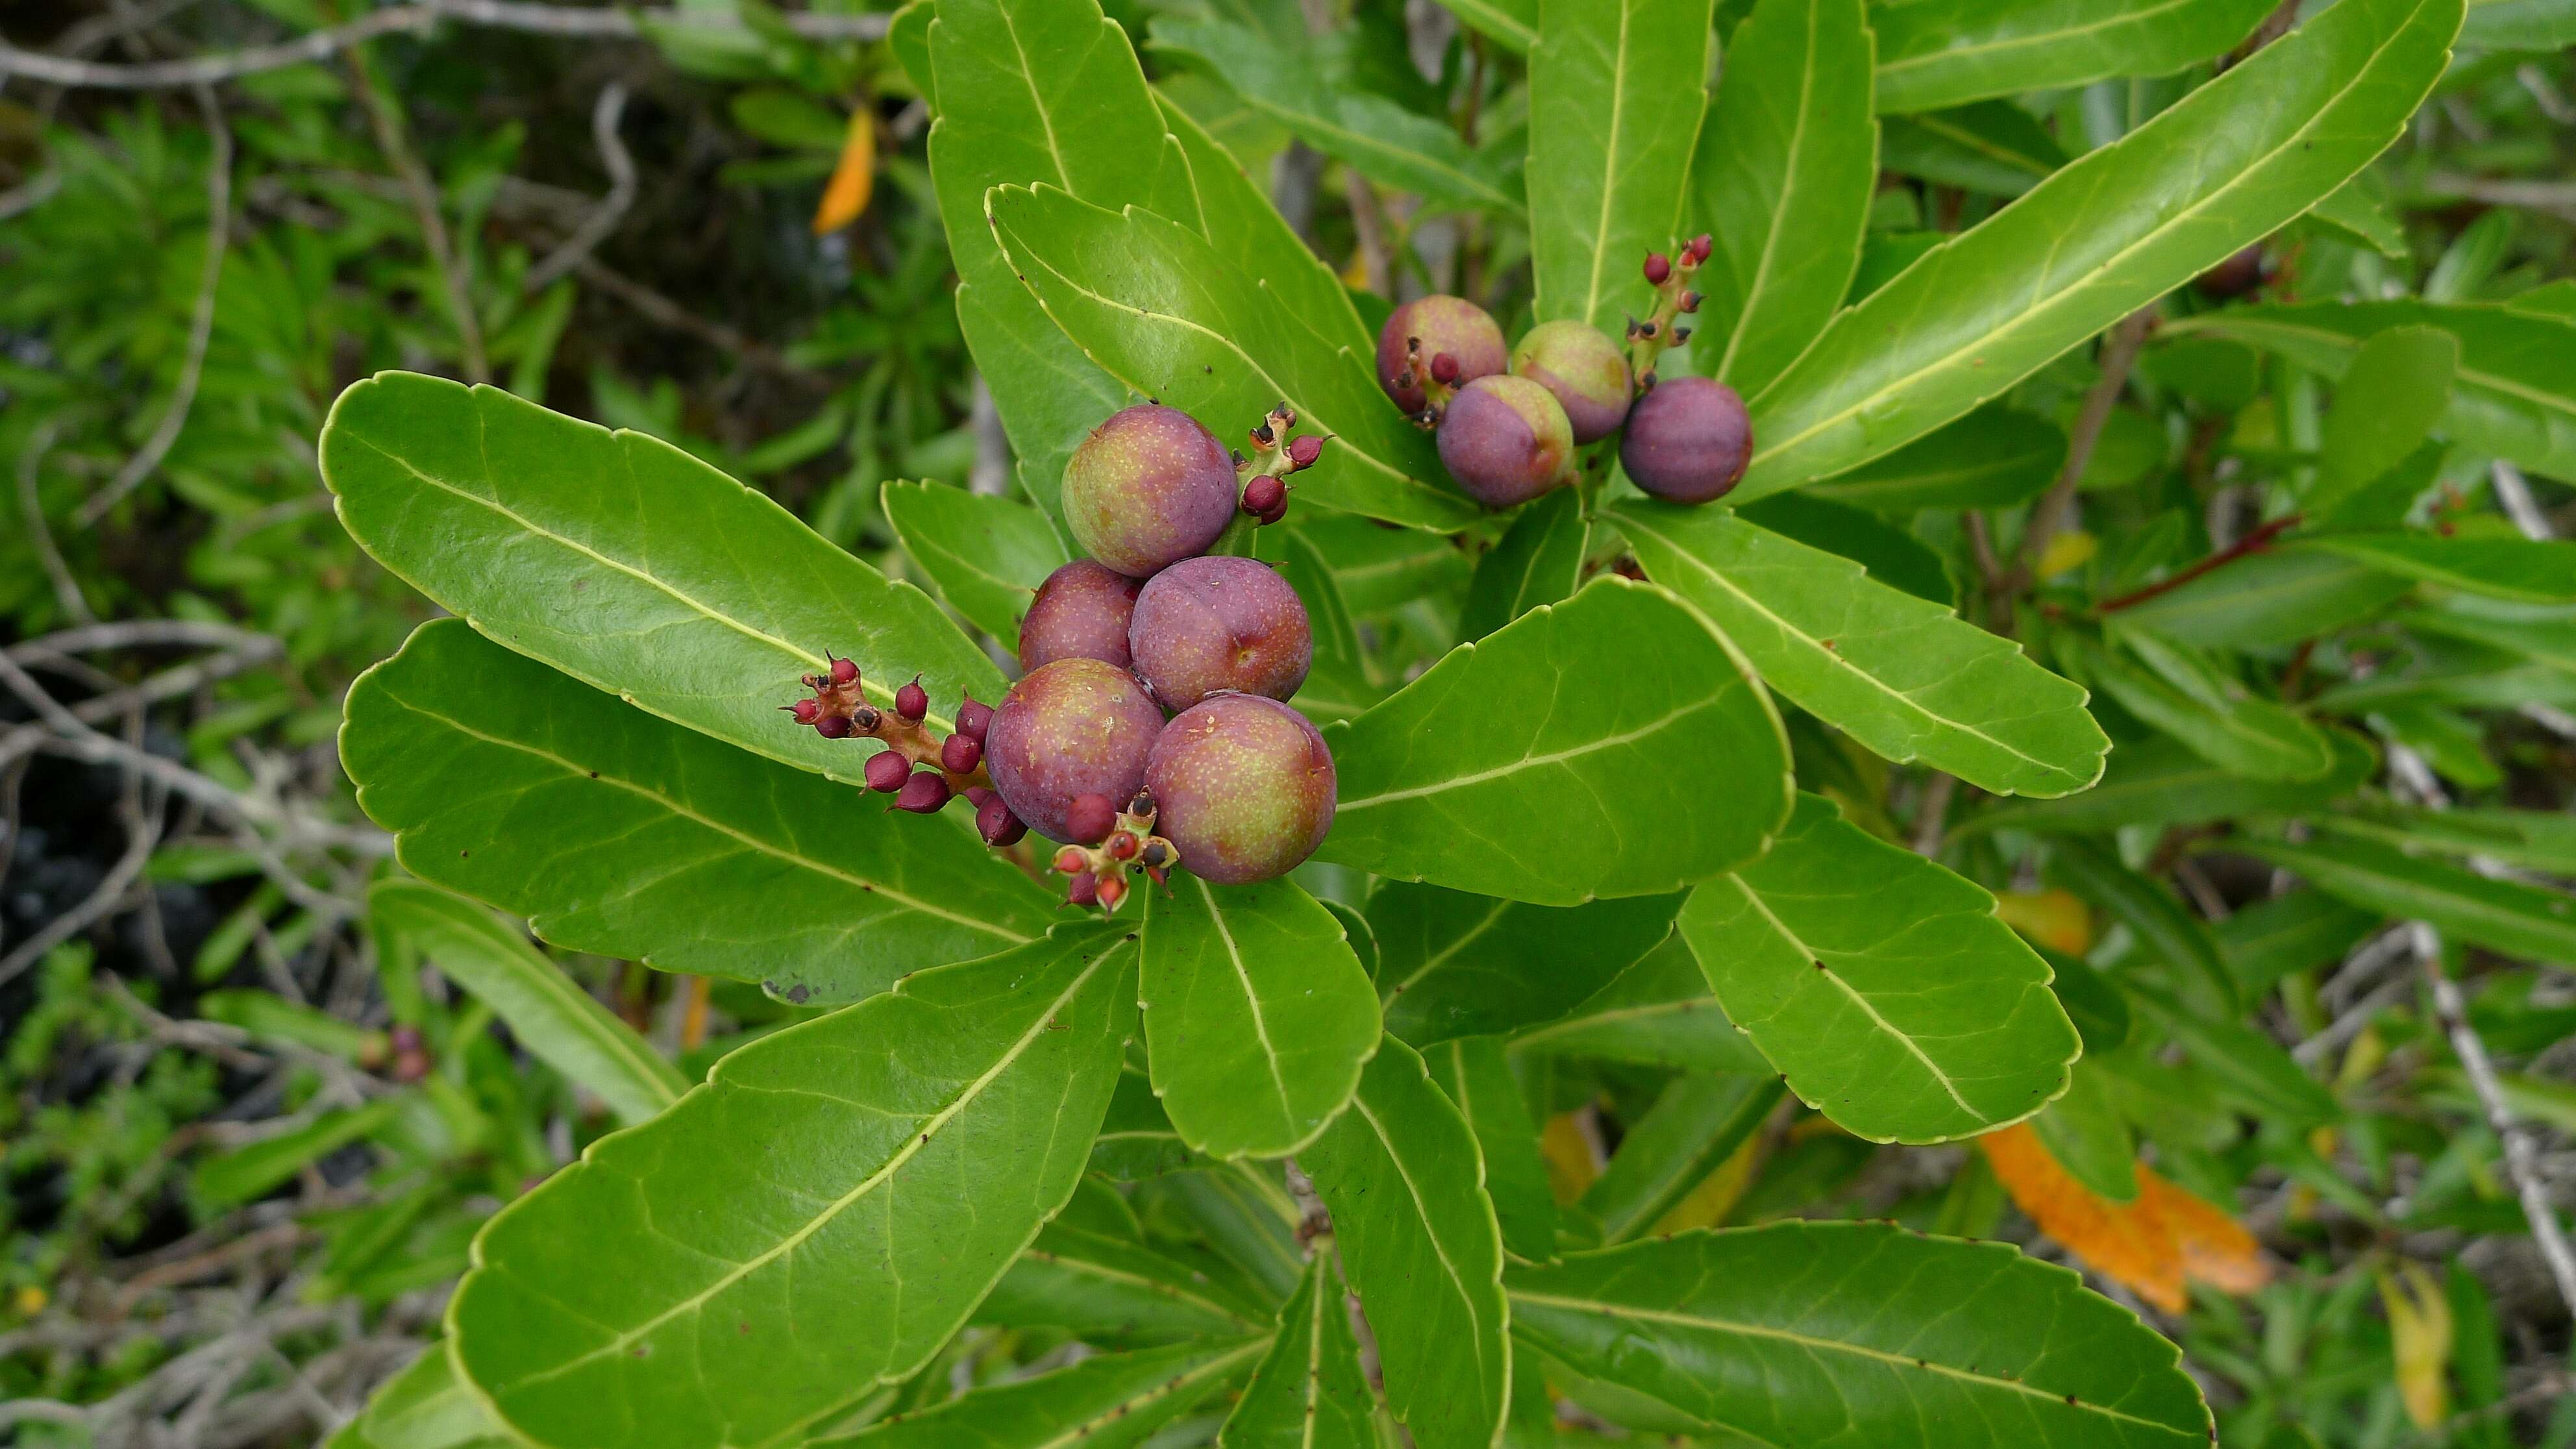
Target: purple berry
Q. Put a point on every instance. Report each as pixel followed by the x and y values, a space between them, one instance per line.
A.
pixel 912 701
pixel 806 711
pixel 1303 452
pixel 1211 625
pixel 1080 612
pixel 1263 494
pixel 1089 819
pixel 2235 277
pixel 886 771
pixel 1687 440
pixel 1583 369
pixel 1659 268
pixel 923 794
pixel 1699 247
pixel 1075 727
pixel 1148 488
pixel 1451 325
pixel 845 671
pixel 995 822
pixel 1246 788
pixel 1506 440
pixel 959 755
pixel 1083 890
pixel 973 718
pixel 832 727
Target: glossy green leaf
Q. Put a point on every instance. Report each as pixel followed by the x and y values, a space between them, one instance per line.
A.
pixel 2210 713
pixel 1337 684
pixel 2159 782
pixel 1538 561
pixel 1309 1390
pixel 1258 243
pixel 1612 745
pixel 1405 1184
pixel 2085 1132
pixel 2363 213
pixel 1616 93
pixel 1993 458
pixel 1813 1333
pixel 1107 1401
pixel 1934 53
pixel 1452 964
pixel 559 1023
pixel 1137 1140
pixel 898 1153
pixel 2392 394
pixel 1257 1015
pixel 1156 306
pixel 1891 553
pixel 1905 677
pixel 2540 840
pixel 1993 147
pixel 1881 985
pixel 1246 1217
pixel 1786 166
pixel 2163 926
pixel 1477 1077
pixel 2501 915
pixel 2542 632
pixel 2520 25
pixel 2270 939
pixel 1695 1125
pixel 426 1406
pixel 1382 569
pixel 986 554
pixel 627 564
pixel 1658 1013
pixel 2523 570
pixel 1107 1290
pixel 2220 169
pixel 2288 593
pixel 617 833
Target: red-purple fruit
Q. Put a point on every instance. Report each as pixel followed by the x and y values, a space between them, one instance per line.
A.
pixel 1209 625
pixel 1687 440
pixel 1073 728
pixel 2235 277
pixel 1506 440
pixel 1245 787
pixel 1450 326
pixel 1148 488
pixel 1584 369
pixel 1080 612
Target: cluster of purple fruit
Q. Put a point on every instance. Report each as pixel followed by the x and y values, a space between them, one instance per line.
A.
pixel 1233 785
pixel 1508 423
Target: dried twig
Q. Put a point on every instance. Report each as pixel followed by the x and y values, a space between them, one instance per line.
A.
pixel 612 208
pixel 31 507
pixel 385 114
pixel 2119 353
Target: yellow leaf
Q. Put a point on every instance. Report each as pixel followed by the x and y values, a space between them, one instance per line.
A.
pixel 2055 919
pixel 845 196
pixel 2216 1249
pixel 2419 1331
pixel 1356 274
pixel 2066 553
pixel 2116 1241
pixel 1572 1162
pixel 1707 1205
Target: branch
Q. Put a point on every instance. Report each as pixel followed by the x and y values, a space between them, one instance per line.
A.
pixel 30 460
pixel 2119 352
pixel 385 112
pixel 612 208
pixel 2254 542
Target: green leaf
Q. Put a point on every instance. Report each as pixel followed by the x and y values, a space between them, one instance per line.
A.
pixel 426 1406
pixel 1257 1015
pixel 2291 592
pixel 627 564
pixel 1512 24
pixel 2520 25
pixel 1137 1140
pixel 2159 782
pixel 1539 561
pixel 2538 839
pixel 2099 1011
pixel 1658 1013
pixel 1995 457
pixel 1337 684
pixel 1452 964
pixel 616 833
pixel 1244 229
pixel 2270 939
pixel 1905 677
pixel 1616 93
pixel 2525 570
pixel 2087 1135
pixel 1246 1216
pixel 2222 168
pixel 1934 53
pixel 1882 985
pixel 1380 570
pixel 1892 555
pixel 1108 1401
pixel 1812 1333
pixel 1107 1290
pixel 2361 212
pixel 899 1153
pixel 559 1023
pixel 1477 1077
pixel 1786 166
pixel 2501 915
pixel 1403 1179
pixel 986 553
pixel 2246 1064
pixel 1696 1124
pixel 255 1169
pixel 2210 713
pixel 2390 398
pixel 1309 1391
pixel 2163 927
pixel 1994 147
pixel 1611 745
pixel 1152 303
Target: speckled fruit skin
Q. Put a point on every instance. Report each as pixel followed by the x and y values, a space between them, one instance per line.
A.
pixel 1220 624
pixel 1688 440
pixel 1583 369
pixel 1074 727
pixel 1080 612
pixel 1245 787
pixel 1506 440
pixel 1148 488
pixel 1445 324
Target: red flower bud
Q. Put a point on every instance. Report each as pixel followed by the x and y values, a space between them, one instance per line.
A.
pixel 1090 818
pixel 995 822
pixel 978 796
pixel 923 794
pixel 844 671
pixel 1121 846
pixel 1304 451
pixel 806 711
pixel 1111 892
pixel 1659 268
pixel 1071 861
pixel 887 770
pixel 973 718
pixel 912 701
pixel 1699 249
pixel 1083 890
pixel 832 727
pixel 959 754
pixel 1265 493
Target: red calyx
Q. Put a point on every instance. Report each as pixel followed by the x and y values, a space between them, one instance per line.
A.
pixel 1083 891
pixel 1699 248
pixel 1109 892
pixel 1304 451
pixel 973 718
pixel 1265 493
pixel 832 727
pixel 845 671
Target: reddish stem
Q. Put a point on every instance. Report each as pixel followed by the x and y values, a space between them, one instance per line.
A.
pixel 2252 543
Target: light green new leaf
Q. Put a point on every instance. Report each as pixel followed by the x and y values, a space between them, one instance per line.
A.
pixel 1992 458
pixel 987 554
pixel 1696 1124
pixel 1903 676
pixel 1151 302
pixel 1108 1290
pixel 426 1406
pixel 2392 394
pixel 2222 168
pixel 627 564
pixel 2087 1135
pixel 2501 915
pixel 1258 243
pixel 2160 923
pixel 1611 745
pixel 1538 561
pixel 1658 1013
pixel 2209 712
pixel 1934 53
pixel 1993 147
pixel 1309 1391
pixel 1405 1184
pixel 2524 570
pixel 1616 93
pixel 1477 1076
pixel 1108 1401
pixel 2159 782
pixel 2285 594
pixel 559 1023
pixel 1452 964
pixel 1862 1333
pixel 899 1153
pixel 1882 985
pixel 1257 1014
pixel 1782 183
pixel 617 833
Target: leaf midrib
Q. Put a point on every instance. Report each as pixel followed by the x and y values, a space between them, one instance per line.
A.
pixel 2046 37
pixel 1610 172
pixel 1532 762
pixel 1252 1003
pixel 1761 282
pixel 1439 1249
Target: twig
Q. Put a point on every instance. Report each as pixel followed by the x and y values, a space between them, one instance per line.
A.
pixel 603 218
pixel 1932 813
pixel 2514 492
pixel 2272 28
pixel 386 116
pixel 659 308
pixel 139 634
pixel 2119 353
pixel 30 460
pixel 2550 196
pixel 2253 542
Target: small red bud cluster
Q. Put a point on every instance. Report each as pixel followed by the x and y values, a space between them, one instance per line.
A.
pixel 921 769
pixel 1110 842
pixel 1671 279
pixel 1275 456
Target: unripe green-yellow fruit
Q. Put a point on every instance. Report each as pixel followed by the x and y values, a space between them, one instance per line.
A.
pixel 1583 368
pixel 1148 488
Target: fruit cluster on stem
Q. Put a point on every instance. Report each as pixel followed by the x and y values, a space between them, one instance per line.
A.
pixel 921 768
pixel 1275 457
pixel 1674 299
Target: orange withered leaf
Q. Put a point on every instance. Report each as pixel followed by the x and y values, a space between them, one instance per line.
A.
pixel 2216 1249
pixel 853 180
pixel 2114 1240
